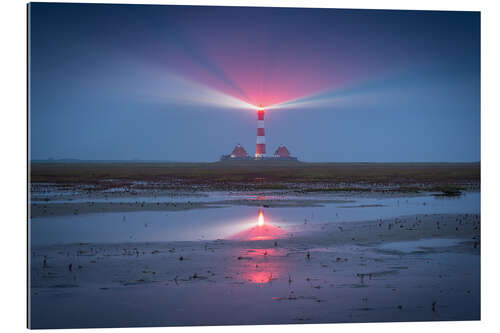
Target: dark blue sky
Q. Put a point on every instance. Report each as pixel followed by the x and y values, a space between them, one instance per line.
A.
pixel 179 82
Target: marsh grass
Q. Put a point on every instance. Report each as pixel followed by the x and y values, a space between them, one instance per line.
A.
pixel 447 178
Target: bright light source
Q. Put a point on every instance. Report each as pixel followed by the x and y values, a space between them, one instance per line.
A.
pixel 258 108
pixel 260 221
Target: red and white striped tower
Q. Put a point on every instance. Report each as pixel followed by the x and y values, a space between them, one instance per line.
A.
pixel 260 150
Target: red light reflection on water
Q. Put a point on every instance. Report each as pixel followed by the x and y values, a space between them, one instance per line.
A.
pixel 266 197
pixel 260 277
pixel 260 220
pixel 260 265
pixel 262 268
pixel 256 253
pixel 262 231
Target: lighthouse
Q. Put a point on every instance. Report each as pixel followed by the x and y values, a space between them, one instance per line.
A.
pixel 260 150
pixel 239 153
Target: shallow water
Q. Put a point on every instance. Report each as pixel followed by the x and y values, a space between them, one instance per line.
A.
pixel 60 197
pixel 248 282
pixel 215 223
pixel 282 288
pixel 421 244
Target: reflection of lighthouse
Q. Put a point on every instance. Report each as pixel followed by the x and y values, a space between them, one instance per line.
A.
pixel 260 220
pixel 260 150
pixel 264 230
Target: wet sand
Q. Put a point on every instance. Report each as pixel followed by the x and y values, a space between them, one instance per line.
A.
pixel 411 268
pixel 76 208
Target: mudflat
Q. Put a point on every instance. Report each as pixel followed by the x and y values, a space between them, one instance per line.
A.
pixel 169 244
pixel 419 267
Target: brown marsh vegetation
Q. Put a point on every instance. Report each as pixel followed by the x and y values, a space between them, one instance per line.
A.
pixel 241 175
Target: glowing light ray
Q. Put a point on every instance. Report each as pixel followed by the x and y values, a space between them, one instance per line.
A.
pixel 196 94
pixel 368 92
pixel 346 97
pixel 168 88
pixel 308 103
pixel 172 89
pixel 211 66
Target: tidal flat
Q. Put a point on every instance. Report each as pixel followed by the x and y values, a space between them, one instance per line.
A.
pixel 117 253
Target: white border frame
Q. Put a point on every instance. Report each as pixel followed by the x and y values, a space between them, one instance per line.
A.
pixel 13 132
